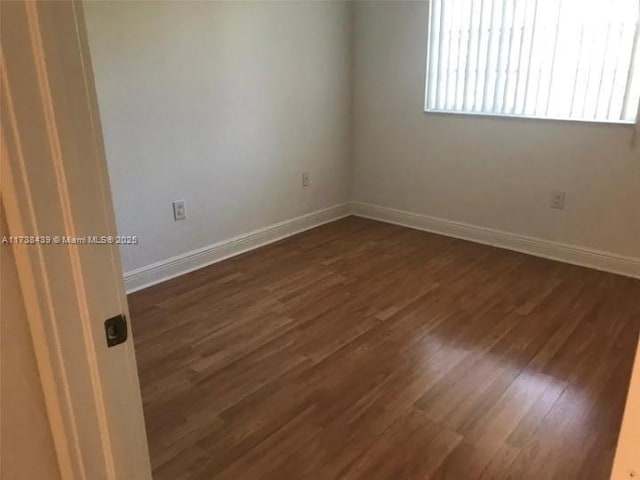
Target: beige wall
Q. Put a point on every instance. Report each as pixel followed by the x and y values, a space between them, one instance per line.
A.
pixel 26 446
pixel 488 172
pixel 224 105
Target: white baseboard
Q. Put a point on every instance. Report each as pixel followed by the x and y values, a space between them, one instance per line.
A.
pixel 179 265
pixel 187 262
pixel 596 259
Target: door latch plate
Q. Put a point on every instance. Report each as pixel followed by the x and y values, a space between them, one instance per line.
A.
pixel 115 329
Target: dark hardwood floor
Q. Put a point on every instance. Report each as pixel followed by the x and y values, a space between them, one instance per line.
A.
pixel 366 350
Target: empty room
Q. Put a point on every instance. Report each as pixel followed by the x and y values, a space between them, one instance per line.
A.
pixel 320 239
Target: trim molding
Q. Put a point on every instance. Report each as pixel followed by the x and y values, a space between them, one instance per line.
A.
pixel 584 257
pixel 157 272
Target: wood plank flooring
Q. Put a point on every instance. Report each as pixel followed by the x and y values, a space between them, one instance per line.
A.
pixel 366 350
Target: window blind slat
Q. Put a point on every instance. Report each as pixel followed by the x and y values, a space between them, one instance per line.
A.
pixel 502 51
pixel 438 101
pixel 618 72
pixel 627 89
pixel 530 76
pixel 566 58
pixel 467 71
pixel 589 94
pixel 479 64
pixel 615 70
pixel 516 98
pixel 449 43
pixel 461 55
pixel 603 70
pixel 432 61
pixel 553 57
pixel 577 72
pixel 509 55
pixel 487 73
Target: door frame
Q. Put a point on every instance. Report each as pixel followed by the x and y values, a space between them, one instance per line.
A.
pixel 74 385
pixel 626 464
pixel 78 445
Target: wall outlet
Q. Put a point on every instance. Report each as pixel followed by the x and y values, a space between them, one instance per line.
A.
pixel 179 210
pixel 306 179
pixel 557 199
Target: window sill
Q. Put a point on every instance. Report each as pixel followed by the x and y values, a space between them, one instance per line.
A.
pixel 530 118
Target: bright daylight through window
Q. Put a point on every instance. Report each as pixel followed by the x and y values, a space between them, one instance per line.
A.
pixel 564 59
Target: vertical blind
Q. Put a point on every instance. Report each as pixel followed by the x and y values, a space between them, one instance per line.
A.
pixel 567 59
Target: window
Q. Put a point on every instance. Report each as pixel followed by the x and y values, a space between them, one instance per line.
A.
pixel 563 59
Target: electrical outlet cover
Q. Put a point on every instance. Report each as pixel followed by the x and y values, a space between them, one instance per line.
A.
pixel 179 210
pixel 306 179
pixel 557 199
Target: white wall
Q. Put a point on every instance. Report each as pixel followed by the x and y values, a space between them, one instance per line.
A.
pixel 224 105
pixel 488 172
